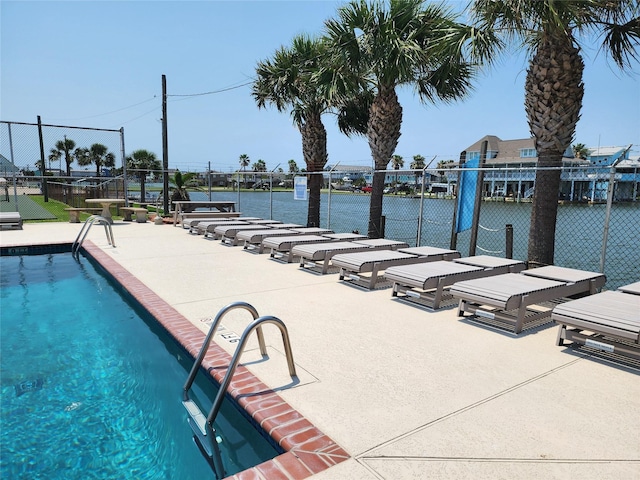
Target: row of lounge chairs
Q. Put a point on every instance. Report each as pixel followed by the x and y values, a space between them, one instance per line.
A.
pixel 497 292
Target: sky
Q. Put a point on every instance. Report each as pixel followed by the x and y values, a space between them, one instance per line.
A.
pixel 99 64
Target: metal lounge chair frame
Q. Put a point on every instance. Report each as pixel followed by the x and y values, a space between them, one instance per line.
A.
pixel 612 317
pixel 364 269
pixel 426 284
pixel 206 227
pixel 522 299
pixel 227 233
pixel 317 257
pixel 253 238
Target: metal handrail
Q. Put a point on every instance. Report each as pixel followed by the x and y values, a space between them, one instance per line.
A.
pixel 203 429
pixel 256 324
pixel 85 230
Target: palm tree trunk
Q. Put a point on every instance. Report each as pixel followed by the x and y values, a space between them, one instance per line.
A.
pixel 314 151
pixel 143 194
pixel 542 230
pixel 383 132
pixel 554 92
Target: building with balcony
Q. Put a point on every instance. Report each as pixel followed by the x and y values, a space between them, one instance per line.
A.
pixel 511 172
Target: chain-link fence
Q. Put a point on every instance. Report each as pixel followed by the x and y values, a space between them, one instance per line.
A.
pixel 63 163
pixel 419 209
pixel 419 206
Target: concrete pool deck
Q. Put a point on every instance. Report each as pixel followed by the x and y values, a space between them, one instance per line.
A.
pixel 406 392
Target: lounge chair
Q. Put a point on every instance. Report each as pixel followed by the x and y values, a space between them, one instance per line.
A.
pixel 633 288
pixel 427 284
pixel 317 257
pixel 612 317
pixel 227 233
pixel 193 222
pixel 206 227
pixel 364 269
pixel 10 220
pixel 252 239
pixel 280 248
pixel 516 300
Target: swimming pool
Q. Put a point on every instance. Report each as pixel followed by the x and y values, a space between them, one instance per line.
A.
pixel 91 385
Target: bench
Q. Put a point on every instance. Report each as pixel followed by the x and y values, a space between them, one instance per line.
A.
pixel 74 213
pixel 10 220
pixel 141 214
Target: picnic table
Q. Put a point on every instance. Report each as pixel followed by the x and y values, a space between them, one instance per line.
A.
pixel 184 206
pixel 106 205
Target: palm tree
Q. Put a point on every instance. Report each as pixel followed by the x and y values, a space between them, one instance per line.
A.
pixel 290 80
pixel 397 163
pixel 259 166
pixel 97 154
pixel 580 151
pixel 554 89
pixel 417 164
pixel 180 181
pixel 141 162
pixel 64 148
pixel 244 163
pixel 386 45
pixel 293 166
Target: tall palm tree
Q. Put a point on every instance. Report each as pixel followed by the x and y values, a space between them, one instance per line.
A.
pixel 290 81
pixel 244 163
pixel 397 163
pixel 141 162
pixel 389 44
pixel 64 148
pixel 97 154
pixel 550 31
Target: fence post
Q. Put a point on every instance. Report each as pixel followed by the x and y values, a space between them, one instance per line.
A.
pixel 607 218
pixel 42 164
pixel 509 241
pixel 478 200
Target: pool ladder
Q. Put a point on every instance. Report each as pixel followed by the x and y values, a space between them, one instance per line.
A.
pixel 204 432
pixel 85 230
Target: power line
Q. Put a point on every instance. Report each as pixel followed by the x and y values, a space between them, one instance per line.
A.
pixel 211 92
pixel 109 113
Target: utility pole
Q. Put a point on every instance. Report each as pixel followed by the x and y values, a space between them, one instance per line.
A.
pixel 165 149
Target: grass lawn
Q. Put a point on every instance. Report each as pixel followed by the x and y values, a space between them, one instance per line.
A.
pixel 57 208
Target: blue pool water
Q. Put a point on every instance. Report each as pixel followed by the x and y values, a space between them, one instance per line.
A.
pixel 91 387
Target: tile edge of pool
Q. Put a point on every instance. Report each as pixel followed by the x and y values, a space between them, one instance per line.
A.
pixel 307 450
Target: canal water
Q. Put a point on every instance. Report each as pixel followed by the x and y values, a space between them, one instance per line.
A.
pixel 579 231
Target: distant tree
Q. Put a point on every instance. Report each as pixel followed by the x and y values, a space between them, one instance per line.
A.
pixel 98 155
pixel 63 148
pixel 179 182
pixel 259 166
pixel 244 163
pixel 580 151
pixel 417 164
pixel 293 166
pixel 140 163
pixel 397 163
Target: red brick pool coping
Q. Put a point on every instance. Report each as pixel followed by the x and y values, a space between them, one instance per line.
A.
pixel 307 450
